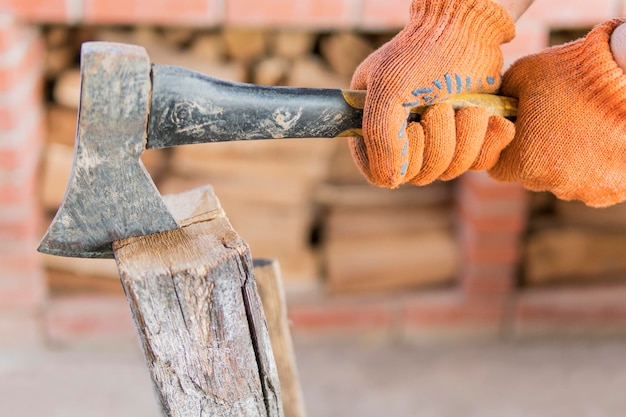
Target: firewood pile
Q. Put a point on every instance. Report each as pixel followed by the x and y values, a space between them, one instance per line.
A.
pixel 299 201
pixel 570 243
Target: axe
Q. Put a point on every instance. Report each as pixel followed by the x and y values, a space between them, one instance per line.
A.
pixel 128 104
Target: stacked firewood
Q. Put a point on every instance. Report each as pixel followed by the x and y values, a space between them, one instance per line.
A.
pixel 380 240
pixel 569 242
pixel 300 201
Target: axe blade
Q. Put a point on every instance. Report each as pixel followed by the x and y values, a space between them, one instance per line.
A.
pixel 110 195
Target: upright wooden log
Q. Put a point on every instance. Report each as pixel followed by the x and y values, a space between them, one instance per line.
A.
pixel 272 295
pixel 196 308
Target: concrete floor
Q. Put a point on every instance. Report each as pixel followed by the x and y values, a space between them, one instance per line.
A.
pixel 539 378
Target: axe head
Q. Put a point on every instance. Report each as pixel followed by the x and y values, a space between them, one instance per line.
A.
pixel 110 195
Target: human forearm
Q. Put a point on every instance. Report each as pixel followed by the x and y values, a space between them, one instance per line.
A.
pixel 618 45
pixel 515 7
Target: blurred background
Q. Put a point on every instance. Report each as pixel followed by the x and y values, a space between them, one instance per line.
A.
pixel 468 296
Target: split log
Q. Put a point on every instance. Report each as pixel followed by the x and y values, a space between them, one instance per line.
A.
pixel 59 59
pixel 61 125
pixel 577 213
pixel 574 254
pixel 365 195
pixel 311 71
pixel 368 222
pixel 66 90
pixel 292 44
pixel 209 47
pixel 342 168
pixel 102 268
pixel 344 52
pixel 185 162
pixel 64 283
pixel 391 263
pixel 267 274
pixel 178 36
pixel 271 220
pixel 57 165
pixel 270 71
pixel 57 36
pixel 245 45
pixel 195 304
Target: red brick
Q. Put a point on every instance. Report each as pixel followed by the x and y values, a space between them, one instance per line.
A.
pixel 491 213
pixel 494 223
pixel 11 32
pixel 384 15
pixel 167 12
pixel 480 254
pixel 473 203
pixel 20 222
pixel 37 10
pixel 22 283
pixel 25 138
pixel 26 100
pixel 443 309
pixel 439 317
pixel 564 311
pixel 18 189
pixel 487 285
pixel 88 319
pixel 19 161
pixel 20 329
pixel 487 189
pixel 22 66
pixel 292 13
pixel 489 239
pixel 341 315
pixel 474 271
pixel 572 14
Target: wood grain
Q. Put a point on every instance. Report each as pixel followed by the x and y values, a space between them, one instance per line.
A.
pixel 196 308
pixel 267 274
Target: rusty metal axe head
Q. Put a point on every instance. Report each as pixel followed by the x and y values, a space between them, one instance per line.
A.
pixel 110 195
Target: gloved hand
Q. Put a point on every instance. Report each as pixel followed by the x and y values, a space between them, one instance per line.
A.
pixel 571 128
pixel 448 47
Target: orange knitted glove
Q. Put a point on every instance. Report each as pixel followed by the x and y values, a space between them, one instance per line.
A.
pixel 448 47
pixel 571 128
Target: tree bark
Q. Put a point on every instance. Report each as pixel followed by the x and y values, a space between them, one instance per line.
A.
pixel 196 308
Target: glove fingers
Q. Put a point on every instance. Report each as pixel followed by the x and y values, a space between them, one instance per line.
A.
pixel 415 133
pixel 387 143
pixel 500 133
pixel 359 155
pixel 471 127
pixel 439 143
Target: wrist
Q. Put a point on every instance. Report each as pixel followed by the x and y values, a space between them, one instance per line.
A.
pixel 618 45
pixel 515 8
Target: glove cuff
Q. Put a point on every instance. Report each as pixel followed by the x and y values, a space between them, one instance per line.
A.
pixel 482 19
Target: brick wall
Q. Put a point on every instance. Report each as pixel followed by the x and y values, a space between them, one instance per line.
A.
pixel 22 289
pixel 492 215
pixel 333 14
